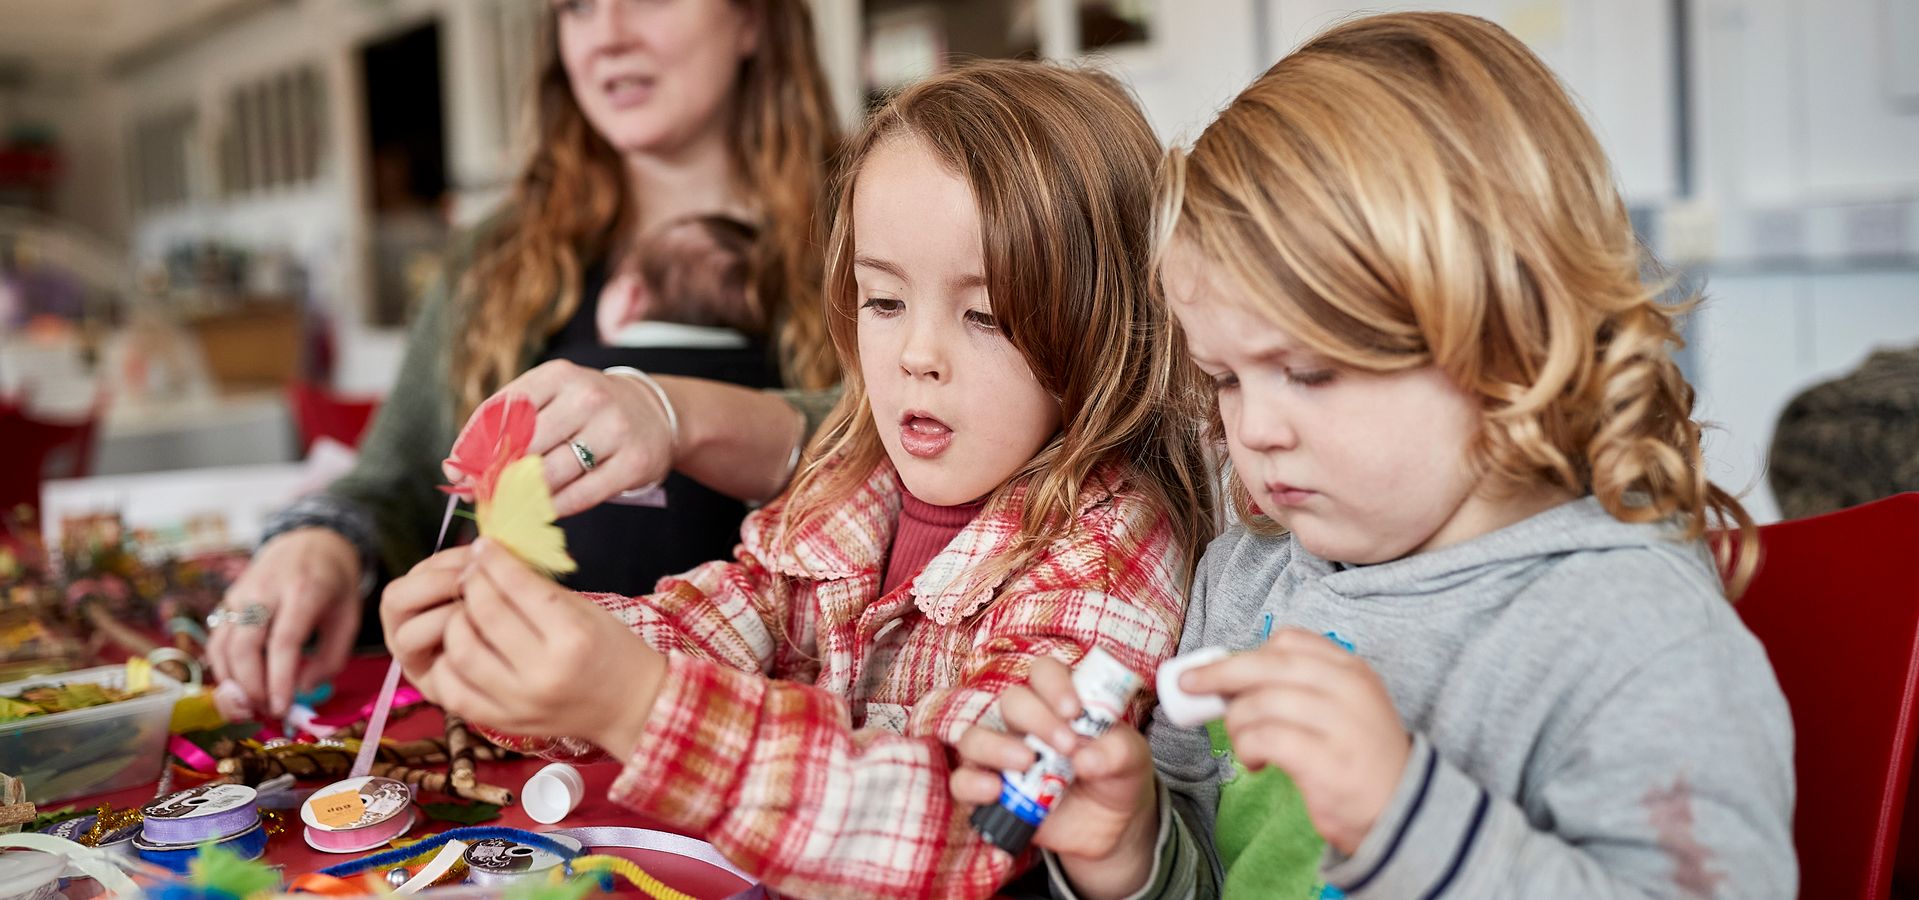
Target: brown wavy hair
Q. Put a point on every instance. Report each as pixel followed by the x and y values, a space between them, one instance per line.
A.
pixel 1418 189
pixel 524 282
pixel 1061 164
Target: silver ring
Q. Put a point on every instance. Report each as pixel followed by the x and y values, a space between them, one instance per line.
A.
pixel 250 614
pixel 585 456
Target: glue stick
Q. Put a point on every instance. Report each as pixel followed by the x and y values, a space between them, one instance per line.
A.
pixel 1104 686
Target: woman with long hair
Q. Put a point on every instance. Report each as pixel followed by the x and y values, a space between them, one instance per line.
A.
pixel 647 114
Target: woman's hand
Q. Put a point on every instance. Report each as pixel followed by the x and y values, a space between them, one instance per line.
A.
pixel 1105 825
pixel 306 580
pixel 1304 704
pixel 618 419
pixel 519 653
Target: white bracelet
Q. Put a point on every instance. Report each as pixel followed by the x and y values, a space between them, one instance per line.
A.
pixel 672 417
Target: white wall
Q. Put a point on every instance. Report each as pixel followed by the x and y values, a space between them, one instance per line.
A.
pixel 1615 56
pixel 1179 95
pixel 1761 338
pixel 1808 177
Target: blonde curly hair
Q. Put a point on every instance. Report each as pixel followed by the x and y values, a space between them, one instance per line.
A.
pixel 1418 189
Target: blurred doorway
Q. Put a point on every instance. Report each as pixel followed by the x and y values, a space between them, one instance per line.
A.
pixel 400 77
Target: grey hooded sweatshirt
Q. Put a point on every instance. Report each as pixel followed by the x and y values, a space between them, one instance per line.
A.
pixel 1589 717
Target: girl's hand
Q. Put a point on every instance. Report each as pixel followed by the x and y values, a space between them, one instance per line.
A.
pixel 1302 703
pixel 416 607
pixel 1104 827
pixel 521 654
pixel 617 418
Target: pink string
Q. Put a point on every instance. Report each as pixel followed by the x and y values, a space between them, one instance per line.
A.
pixel 376 724
pixel 404 697
pixel 370 744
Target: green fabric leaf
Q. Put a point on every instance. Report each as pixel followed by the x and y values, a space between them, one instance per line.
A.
pixel 55 817
pixel 236 731
pixel 219 869
pixel 541 889
pixel 461 813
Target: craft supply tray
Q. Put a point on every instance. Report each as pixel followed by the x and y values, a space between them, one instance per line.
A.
pixel 96 750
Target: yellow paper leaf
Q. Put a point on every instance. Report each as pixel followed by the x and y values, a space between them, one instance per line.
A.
pixel 520 517
pixel 196 712
pixel 139 674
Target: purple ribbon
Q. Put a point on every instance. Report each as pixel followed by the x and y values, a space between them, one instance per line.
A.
pixel 195 829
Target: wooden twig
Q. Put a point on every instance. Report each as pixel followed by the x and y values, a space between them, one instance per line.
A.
pixel 440 783
pixel 130 639
pixel 459 748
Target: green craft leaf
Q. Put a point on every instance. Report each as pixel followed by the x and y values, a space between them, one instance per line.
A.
pixel 541 889
pixel 55 817
pixel 237 731
pixel 219 869
pixel 461 813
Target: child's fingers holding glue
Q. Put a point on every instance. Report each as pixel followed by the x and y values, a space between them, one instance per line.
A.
pixel 1109 809
pixel 1053 682
pixel 1311 663
pixel 984 753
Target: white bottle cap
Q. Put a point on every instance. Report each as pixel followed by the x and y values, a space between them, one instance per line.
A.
pixel 552 793
pixel 1184 709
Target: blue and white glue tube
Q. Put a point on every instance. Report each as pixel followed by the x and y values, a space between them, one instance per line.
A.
pixel 1105 686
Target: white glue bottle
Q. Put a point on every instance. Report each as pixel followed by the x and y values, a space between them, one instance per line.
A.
pixel 1105 686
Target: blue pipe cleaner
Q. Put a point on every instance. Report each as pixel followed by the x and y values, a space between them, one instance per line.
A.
pixel 470 834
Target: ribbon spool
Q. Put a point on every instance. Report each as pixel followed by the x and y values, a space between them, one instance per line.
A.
pixel 497 861
pixel 357 814
pixel 119 841
pixel 210 812
pixel 249 844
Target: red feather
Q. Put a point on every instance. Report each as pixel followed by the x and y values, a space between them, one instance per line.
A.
pixel 500 432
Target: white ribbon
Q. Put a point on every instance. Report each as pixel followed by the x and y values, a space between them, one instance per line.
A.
pixel 98 864
pixel 628 838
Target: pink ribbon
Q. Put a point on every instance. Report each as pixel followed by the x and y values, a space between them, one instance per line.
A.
pixel 190 754
pixel 406 696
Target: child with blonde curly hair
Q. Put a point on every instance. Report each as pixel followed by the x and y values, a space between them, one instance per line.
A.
pixel 1477 644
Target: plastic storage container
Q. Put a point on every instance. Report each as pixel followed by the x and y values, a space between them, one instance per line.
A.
pixel 95 750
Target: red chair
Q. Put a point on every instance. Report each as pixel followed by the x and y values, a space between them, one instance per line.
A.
pixel 323 413
pixel 33 450
pixel 1836 603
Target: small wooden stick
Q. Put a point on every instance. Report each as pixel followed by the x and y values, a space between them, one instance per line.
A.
pixel 459 747
pixel 440 783
pixel 315 762
pixel 417 751
pixel 130 640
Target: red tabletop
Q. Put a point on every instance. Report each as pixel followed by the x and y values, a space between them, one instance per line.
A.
pixel 358 685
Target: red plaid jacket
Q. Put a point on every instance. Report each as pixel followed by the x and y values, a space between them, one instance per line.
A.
pixel 803 720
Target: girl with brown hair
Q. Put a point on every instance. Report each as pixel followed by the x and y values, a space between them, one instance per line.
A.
pixel 647 113
pixel 1014 473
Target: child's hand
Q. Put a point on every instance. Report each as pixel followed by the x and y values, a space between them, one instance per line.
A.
pixel 1321 714
pixel 416 607
pixel 522 654
pixel 1104 827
